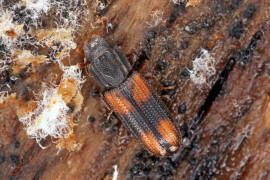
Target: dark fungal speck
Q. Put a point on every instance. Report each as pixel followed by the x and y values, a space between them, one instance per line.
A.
pixel 167 167
pixel 149 42
pixel 185 44
pixel 168 82
pixel 176 55
pixel 178 9
pixel 2 158
pixel 26 28
pixel 4 75
pixel 237 30
pixel 168 47
pixel 161 65
pixel 91 119
pixel 17 144
pixel 192 160
pixel 15 159
pixel 183 127
pixel 209 22
pixel 185 73
pixel 147 166
pixel 95 93
pixel 192 28
pixel 250 11
pixel 182 108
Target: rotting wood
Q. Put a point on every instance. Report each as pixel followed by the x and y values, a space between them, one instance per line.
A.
pixel 224 125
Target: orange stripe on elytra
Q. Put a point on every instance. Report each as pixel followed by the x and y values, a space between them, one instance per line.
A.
pixel 152 144
pixel 168 132
pixel 118 102
pixel 140 90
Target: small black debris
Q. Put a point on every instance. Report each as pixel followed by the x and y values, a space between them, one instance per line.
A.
pixel 183 127
pixel 95 93
pixel 250 11
pixel 161 65
pixel 182 108
pixel 91 119
pixel 17 144
pixel 192 160
pixel 185 44
pixel 2 158
pixel 15 159
pixel 185 73
pixel 237 30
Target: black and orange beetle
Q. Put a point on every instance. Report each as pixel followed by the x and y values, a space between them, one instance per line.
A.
pixel 131 98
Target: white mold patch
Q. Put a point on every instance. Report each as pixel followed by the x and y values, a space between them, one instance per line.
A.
pixel 20 33
pixel 66 15
pixel 73 72
pixel 38 6
pixel 51 117
pixel 203 68
pixel 7 25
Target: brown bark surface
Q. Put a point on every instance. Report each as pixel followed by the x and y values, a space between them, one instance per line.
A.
pixel 224 121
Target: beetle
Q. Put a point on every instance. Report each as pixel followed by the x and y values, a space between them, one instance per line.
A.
pixel 128 94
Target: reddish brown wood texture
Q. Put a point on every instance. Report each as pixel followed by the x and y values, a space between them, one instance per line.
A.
pixel 222 122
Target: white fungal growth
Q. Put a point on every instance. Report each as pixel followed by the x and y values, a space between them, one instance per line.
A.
pixel 73 72
pixel 60 37
pixel 203 68
pixel 38 6
pixel 51 117
pixel 6 24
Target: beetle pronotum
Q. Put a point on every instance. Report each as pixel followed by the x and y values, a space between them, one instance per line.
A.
pixel 133 101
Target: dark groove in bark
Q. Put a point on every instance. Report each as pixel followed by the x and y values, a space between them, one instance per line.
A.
pixel 213 159
pixel 214 92
pixel 243 57
pixel 39 172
